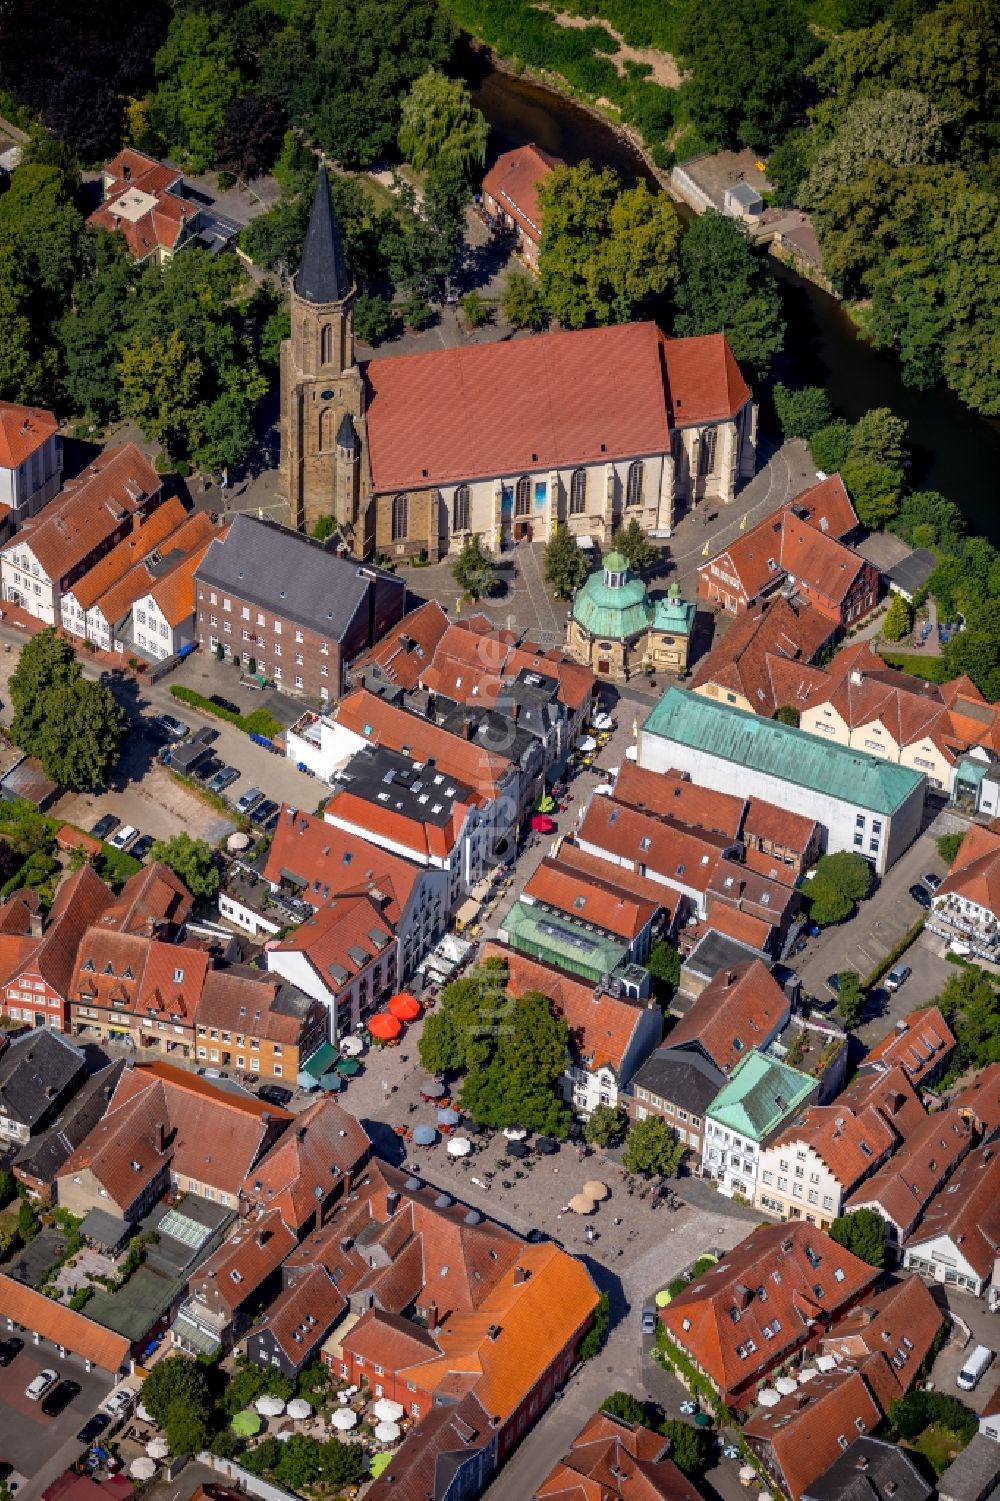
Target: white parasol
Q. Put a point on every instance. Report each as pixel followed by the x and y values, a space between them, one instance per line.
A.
pixel 587 744
pixel 157 1448
pixel 515 1133
pixel 459 1146
pixel 299 1409
pixel 350 1047
pixel 807 1373
pixel 269 1406
pixel 825 1362
pixel 785 1385
pixel 747 1474
pixel 387 1433
pixel 769 1397
pixel 388 1411
pixel 142 1468
pixel 344 1419
pixel 140 1412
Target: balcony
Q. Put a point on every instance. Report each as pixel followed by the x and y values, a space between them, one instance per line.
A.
pixel 309 728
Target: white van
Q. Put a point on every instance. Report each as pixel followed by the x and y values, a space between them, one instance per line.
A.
pixel 979 1361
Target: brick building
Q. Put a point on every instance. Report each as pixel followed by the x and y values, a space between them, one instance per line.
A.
pixel 510 196
pixel 290 608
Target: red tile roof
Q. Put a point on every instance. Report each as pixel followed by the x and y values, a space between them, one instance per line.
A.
pixel 968 1211
pixel 180 552
pixel 82 899
pixel 303 1312
pixel 242 999
pixel 242 1264
pixel 151 899
pixel 323 1150
pixel 670 794
pixel 424 840
pixel 887 1090
pixel 783 828
pixel 899 1323
pixel 765 654
pixel 796 1265
pixel 921 1044
pixel 173 593
pixel 805 1432
pixel 611 1460
pixel 53 1321
pixel 850 1146
pixel 323 862
pixel 23 430
pixel 139 204
pixel 589 396
pixel 739 1010
pixel 601 1026
pixel 733 923
pixel 109 571
pixel 679 856
pixel 405 652
pixel 901 1191
pixel 342 939
pixel 89 510
pixel 787 544
pixel 975 871
pixel 828 507
pixel 641 886
pixel 981 1100
pixel 594 900
pixel 513 181
pixel 381 723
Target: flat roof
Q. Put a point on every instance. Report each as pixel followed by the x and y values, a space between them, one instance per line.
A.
pixel 420 791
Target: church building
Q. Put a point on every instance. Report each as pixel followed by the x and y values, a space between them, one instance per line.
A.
pixel 417 453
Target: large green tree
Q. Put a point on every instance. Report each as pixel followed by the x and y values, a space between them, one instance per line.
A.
pixel 607 253
pixel 652 1148
pixel 565 564
pixel 40 250
pixel 690 1447
pixel 474 570
pixel 74 726
pixel 176 1379
pixel 199 77
pixel 440 125
pixel 723 286
pixel 862 1232
pixel 517 1084
pixel 191 859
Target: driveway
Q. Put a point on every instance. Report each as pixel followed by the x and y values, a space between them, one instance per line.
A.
pixel 40 1447
pixel 984 1329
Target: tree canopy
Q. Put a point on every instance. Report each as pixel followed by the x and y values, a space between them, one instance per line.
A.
pixel 565 564
pixel 176 1379
pixel 652 1148
pixel 690 1447
pixel 441 126
pixel 723 285
pixel 474 569
pixel 840 882
pixel 73 726
pixel 191 859
pixel 606 1126
pixel 862 1232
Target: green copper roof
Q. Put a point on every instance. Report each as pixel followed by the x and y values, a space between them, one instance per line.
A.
pixel 558 940
pixel 615 613
pixel 780 750
pixel 675 615
pixel 760 1094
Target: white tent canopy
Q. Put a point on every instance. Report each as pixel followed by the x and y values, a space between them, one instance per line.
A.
pixel 387 1433
pixel 388 1411
pixel 344 1419
pixel 269 1407
pixel 299 1409
pixel 157 1448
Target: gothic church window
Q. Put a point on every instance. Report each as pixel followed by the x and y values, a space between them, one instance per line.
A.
pixel 706 452
pixel 400 518
pixel 460 518
pixel 326 344
pixel 578 492
pixel 634 484
pixel 522 496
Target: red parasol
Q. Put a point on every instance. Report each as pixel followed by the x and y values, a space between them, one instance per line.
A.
pixel 405 1007
pixel 384 1026
pixel 542 824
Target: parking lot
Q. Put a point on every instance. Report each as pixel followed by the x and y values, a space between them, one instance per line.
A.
pixel 984 1329
pixel 36 1446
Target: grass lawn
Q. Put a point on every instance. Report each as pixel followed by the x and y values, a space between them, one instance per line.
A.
pixel 932 669
pixel 939 1445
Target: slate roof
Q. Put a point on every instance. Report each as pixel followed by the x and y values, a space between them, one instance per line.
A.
pixel 682 1075
pixel 870 1469
pixel 765 745
pixel 43 1157
pixel 291 575
pixel 430 1455
pixel 972 1476
pixel 35 1070
pixel 322 275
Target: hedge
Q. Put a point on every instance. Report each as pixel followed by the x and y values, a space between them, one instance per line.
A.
pixel 900 949
pixel 258 722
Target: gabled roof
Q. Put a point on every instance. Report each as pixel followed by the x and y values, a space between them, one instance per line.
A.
pixel 384 724
pixel 150 898
pixel 431 1454
pixel 680 856
pixel 967 1211
pixel 23 430
pixel 759 1095
pixel 601 1026
pixel 975 871
pixel 900 1323
pixel 682 1075
pixel 596 867
pixel 850 1146
pixel 342 939
pixel 235 1272
pixel 766 821
pixel 81 899
pixel 595 901
pixel 513 182
pixel 670 795
pixel 870 1469
pixel 736 1012
pixel 901 1191
pixel 887 1089
pixel 404 652
pixel 139 203
pixel 981 1100
pixel 611 1460
pixel 109 570
pixel 322 275
pixel 921 1045
pixel 323 862
pixel 806 1278
pixel 62 1326
pixel 809 1429
pixel 323 1148
pixel 746 740
pixel 36 1068
pixel 174 592
pixel 826 506
pixel 239 998
pixel 46 1153
pixel 765 656
pixel 303 1312
pixel 579 397
pixel 90 508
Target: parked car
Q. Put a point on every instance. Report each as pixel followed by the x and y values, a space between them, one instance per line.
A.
pixel 274 1094
pixel 142 846
pixel 649 1319
pixel 105 825
pixel 920 895
pixel 225 777
pixel 10 1349
pixel 270 823
pixel 123 837
pixel 249 801
pixel 175 728
pixel 834 983
pixel 224 703
pixel 897 976
pixel 979 1361
pixel 93 1428
pixel 206 735
pixel 206 769
pixel 263 811
pixel 120 1402
pixel 930 880
pixel 60 1397
pixel 40 1384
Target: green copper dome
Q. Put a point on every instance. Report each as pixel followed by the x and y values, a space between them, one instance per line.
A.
pixel 611 605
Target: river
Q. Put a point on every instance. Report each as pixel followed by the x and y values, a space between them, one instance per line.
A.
pixel 955 451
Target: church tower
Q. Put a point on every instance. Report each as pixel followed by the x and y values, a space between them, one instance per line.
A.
pixel 323 451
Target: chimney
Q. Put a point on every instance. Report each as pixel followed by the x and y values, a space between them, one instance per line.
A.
pixel 262 1237
pixel 862 1461
pixel 301 1133
pixel 730 976
pixel 521 1274
pixel 857 677
pixel 901 1028
pixel 160 1131
pixel 35 924
pixel 391 1202
pixel 493 1332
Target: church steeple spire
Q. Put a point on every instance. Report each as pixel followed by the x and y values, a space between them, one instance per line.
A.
pixel 323 276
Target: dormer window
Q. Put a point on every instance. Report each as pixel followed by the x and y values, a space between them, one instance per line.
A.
pixel 89 966
pixel 178 976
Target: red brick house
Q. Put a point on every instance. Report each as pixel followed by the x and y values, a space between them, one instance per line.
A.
pixel 510 196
